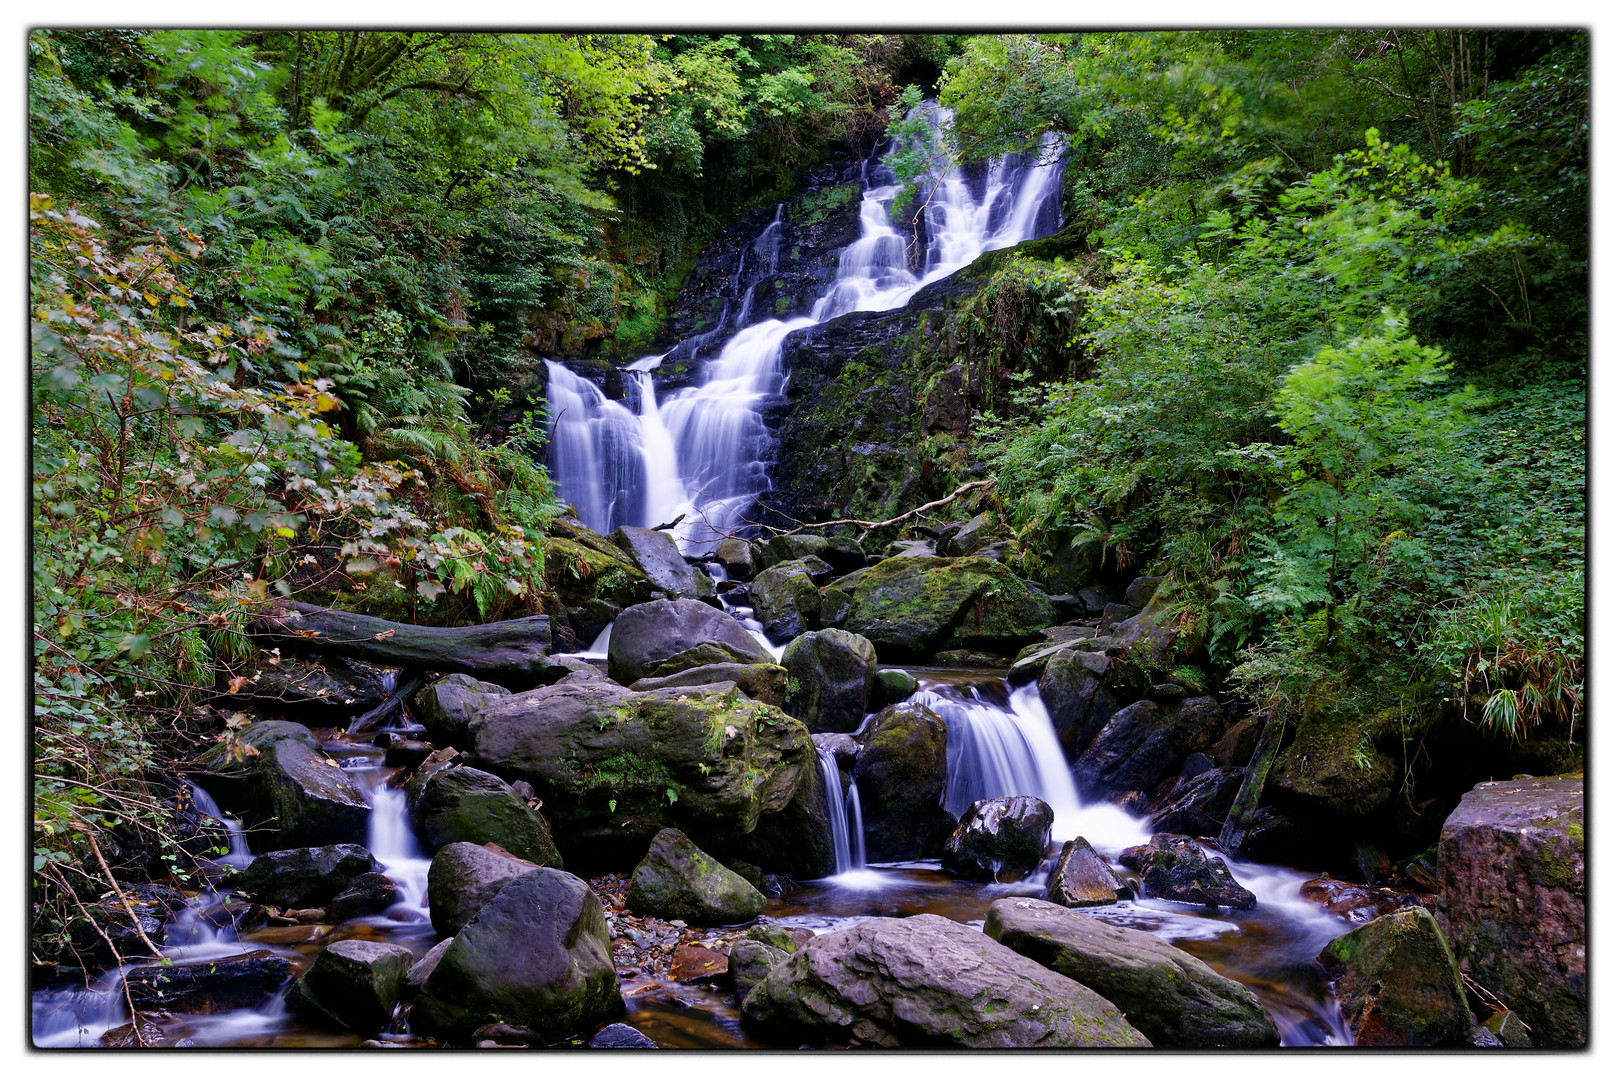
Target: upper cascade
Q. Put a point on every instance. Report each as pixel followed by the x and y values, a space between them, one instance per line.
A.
pixel 704 454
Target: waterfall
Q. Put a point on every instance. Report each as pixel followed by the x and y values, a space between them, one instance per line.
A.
pixel 706 452
pixel 393 843
pixel 1011 749
pixel 847 826
pixel 238 855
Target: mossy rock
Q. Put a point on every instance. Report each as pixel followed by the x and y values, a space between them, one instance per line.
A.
pixel 911 608
pixel 470 805
pixel 678 880
pixel 1397 982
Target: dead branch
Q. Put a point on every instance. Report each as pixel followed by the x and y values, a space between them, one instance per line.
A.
pixel 870 526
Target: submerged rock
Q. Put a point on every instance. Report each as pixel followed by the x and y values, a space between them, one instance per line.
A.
pixel 1009 833
pixel 1082 878
pixel 901 769
pixel 830 677
pixel 678 880
pixel 1167 994
pixel 535 956
pixel 1175 868
pixel 926 981
pixel 467 804
pixel 357 983
pixel 1397 982
pixel 665 636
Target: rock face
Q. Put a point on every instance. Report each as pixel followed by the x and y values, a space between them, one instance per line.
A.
pixel 536 956
pixel 1009 833
pixel 236 982
pixel 831 675
pixel 304 877
pixel 466 804
pixel 660 560
pixel 1397 982
pixel 1197 806
pixel 1175 868
pixel 1512 899
pixel 1082 878
pixel 1167 994
pixel 761 682
pixel 614 766
pixel 750 964
pixel 448 705
pixel 901 771
pixel 666 636
pixel 912 608
pixel 463 877
pixel 785 600
pixel 1074 688
pixel 795 840
pixel 354 982
pixel 1143 744
pixel 678 880
pixel 926 981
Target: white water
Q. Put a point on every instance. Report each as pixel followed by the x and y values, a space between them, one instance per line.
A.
pixel 238 855
pixel 847 829
pixel 705 452
pixel 999 750
pixel 393 843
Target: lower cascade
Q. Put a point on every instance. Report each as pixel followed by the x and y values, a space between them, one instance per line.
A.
pixel 847 826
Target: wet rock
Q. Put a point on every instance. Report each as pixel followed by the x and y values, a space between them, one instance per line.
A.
pixel 155 907
pixel 467 804
pixel 463 878
pixel 913 608
pixel 660 560
pixel 835 605
pixel 901 770
pixel 1005 834
pixel 750 964
pixel 209 986
pixel 1029 663
pixel 795 840
pixel 332 686
pixel 677 880
pixel 1140 591
pixel 893 685
pixel 843 554
pixel 1082 878
pixel 354 982
pixel 1397 982
pixel 368 894
pixel 303 877
pixel 421 969
pixel 786 938
pixel 1360 903
pixel 146 1034
pixel 615 766
pixel 621 1037
pixel 761 682
pixel 1144 744
pixel 1512 899
pixel 785 600
pixel 536 956
pixel 926 981
pixel 582 568
pixel 308 799
pixel 406 752
pixel 1197 806
pixel 665 636
pixel 970 537
pixel 842 746
pixel 445 707
pixel 736 556
pixel 1075 690
pixel 830 677
pixel 1164 992
pixel 1175 868
pixel 693 963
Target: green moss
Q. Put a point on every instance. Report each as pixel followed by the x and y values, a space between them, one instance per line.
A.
pixel 816 206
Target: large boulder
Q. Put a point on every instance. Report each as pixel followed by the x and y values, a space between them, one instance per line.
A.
pixel 536 957
pixel 308 799
pixel 761 682
pixel 901 771
pixel 926 981
pixel 303 877
pixel 678 880
pixel 1082 878
pixel 666 636
pixel 736 556
pixel 1145 743
pixel 785 600
pixel 830 676
pixel 466 804
pixel 796 840
pixel 368 894
pixel 842 553
pixel 972 536
pixel 912 608
pixel 445 707
pixel 357 983
pixel 660 560
pixel 1512 899
pixel 1198 804
pixel 1338 766
pixel 1176 868
pixel 1167 994
pixel 1077 695
pixel 1004 834
pixel 614 766
pixel 1397 982
pixel 582 568
pixel 463 877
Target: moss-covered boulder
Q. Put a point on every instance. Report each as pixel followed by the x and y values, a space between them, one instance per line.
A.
pixel 1336 765
pixel 463 877
pixel 1176 868
pixel 581 566
pixel 785 600
pixel 309 799
pixel 660 560
pixel 1512 899
pixel 843 554
pixel 766 683
pixel 1007 834
pixel 901 769
pixel 927 981
pixel 354 982
pixel 446 706
pixel 678 880
pixel 830 676
pixel 1397 982
pixel 750 964
pixel 536 957
pixel 615 766
pixel 1167 994
pixel 667 636
pixel 303 877
pixel 1075 686
pixel 912 608
pixel 466 804
pixel 736 556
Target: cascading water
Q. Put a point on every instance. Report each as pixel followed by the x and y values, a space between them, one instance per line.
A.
pixel 615 467
pixel 847 826
pixel 393 842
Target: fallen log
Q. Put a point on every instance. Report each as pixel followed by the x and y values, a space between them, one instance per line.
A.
pixel 512 654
